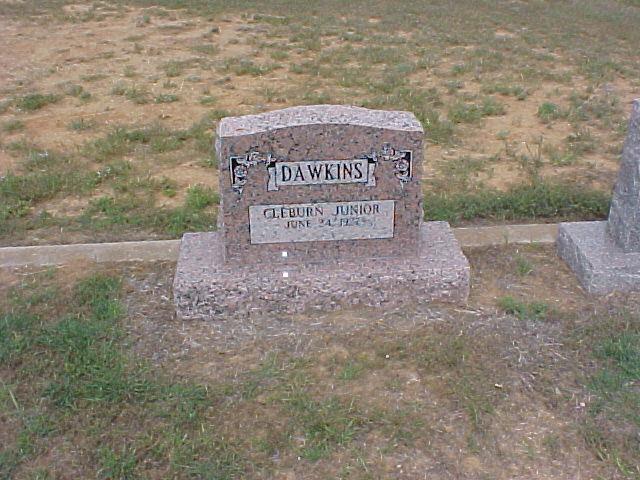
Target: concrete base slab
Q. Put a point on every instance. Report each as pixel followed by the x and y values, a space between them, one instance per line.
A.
pixel 600 265
pixel 205 288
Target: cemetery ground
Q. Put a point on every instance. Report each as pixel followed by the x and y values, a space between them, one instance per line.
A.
pixel 107 110
pixel 107 114
pixel 531 379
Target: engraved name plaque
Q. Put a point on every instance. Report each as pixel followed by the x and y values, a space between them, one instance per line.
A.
pixel 320 172
pixel 306 222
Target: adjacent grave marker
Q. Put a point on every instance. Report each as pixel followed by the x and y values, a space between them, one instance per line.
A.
pixel 320 206
pixel 606 255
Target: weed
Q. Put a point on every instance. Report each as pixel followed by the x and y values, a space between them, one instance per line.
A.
pixel 199 198
pixel 81 124
pixel 36 101
pixel 94 77
pixel 549 111
pixel 580 142
pixel 206 48
pixel 136 94
pixel 73 89
pixel 122 140
pixel 461 112
pixel 560 156
pixel 439 131
pixel 503 135
pixel 523 310
pixel 129 71
pixel 12 126
pixel 131 210
pixel 244 66
pixel 118 464
pixel 208 100
pixel 351 371
pixel 600 68
pixel 453 86
pixel 325 424
pixel 523 266
pixel 166 98
pixel 279 55
pixel 517 91
pixel 174 68
pixel 618 399
pixel 139 95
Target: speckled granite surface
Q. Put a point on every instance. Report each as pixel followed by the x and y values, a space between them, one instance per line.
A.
pixel 315 115
pixel 318 133
pixel 624 217
pixel 207 288
pixel 321 206
pixel 599 263
pixel 605 256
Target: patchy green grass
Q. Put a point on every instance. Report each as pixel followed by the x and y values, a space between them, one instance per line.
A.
pixel 13 126
pixel 80 374
pixel 538 201
pixel 36 101
pixel 131 210
pixel 524 310
pixel 462 112
pixel 131 200
pixel 79 381
pixel 557 112
pixel 81 124
pixel 615 414
pixel 166 98
pixel 549 111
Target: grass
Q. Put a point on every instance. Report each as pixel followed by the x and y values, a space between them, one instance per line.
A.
pixel 166 98
pixel 616 408
pixel 462 112
pixel 48 175
pixel 549 111
pixel 13 126
pixel 91 376
pixel 81 124
pixel 81 350
pixel 466 88
pixel 77 381
pixel 36 101
pixel 155 138
pixel 524 310
pixel 130 210
pixel 133 206
pixel 537 201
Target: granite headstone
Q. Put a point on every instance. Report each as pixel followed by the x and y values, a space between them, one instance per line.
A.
pixel 606 255
pixel 321 206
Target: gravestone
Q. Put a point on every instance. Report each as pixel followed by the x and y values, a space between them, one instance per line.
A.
pixel 321 206
pixel 606 255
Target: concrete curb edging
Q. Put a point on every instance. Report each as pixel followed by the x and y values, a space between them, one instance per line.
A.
pixel 505 234
pixel 145 251
pixel 167 250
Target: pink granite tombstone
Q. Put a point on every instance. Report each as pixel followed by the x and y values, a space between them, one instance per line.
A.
pixel 321 206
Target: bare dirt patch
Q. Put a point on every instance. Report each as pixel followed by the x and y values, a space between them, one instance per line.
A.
pixel 129 67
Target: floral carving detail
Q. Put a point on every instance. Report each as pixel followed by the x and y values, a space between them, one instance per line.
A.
pixel 239 167
pixel 402 162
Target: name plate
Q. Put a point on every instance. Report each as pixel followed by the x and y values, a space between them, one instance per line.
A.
pixel 321 172
pixel 308 222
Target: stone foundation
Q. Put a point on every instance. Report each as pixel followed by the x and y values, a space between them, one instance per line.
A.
pixel 207 288
pixel 599 263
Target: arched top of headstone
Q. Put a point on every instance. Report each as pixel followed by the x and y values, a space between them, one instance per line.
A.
pixel 316 115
